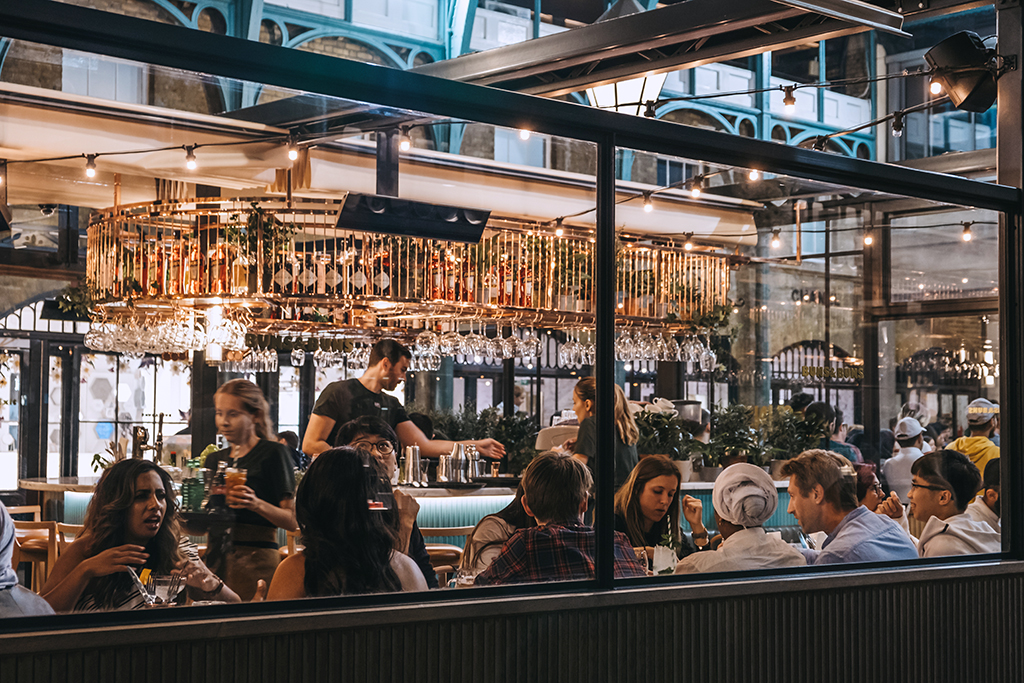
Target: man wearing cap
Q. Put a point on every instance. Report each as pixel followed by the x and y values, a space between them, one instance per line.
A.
pixel 823 497
pixel 985 507
pixel 744 498
pixel 910 437
pixel 983 419
pixel 943 485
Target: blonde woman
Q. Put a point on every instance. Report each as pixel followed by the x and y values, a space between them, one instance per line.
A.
pixel 584 398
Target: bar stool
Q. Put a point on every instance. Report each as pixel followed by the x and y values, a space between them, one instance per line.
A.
pixel 444 557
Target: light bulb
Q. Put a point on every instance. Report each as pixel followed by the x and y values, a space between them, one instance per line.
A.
pixel 967 236
pixel 559 232
pixel 776 242
pixel 648 204
pixel 405 143
pixel 90 166
pixel 190 158
pixel 754 174
pixel 788 98
pixel 524 134
pixel 936 87
pixel 695 191
pixel 868 239
pixel 688 246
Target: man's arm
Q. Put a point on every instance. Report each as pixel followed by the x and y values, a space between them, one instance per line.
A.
pixel 410 435
pixel 314 441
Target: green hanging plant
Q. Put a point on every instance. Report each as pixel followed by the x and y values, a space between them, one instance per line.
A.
pixel 77 299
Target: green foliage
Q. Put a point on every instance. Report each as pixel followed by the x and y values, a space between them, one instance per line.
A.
pixel 788 433
pixel 258 220
pixel 517 432
pixel 112 454
pixel 661 433
pixel 734 435
pixel 77 299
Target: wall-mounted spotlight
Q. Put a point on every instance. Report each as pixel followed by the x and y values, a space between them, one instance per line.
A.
pixel 966 68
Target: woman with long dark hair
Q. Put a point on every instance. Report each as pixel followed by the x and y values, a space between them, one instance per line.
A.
pixel 264 502
pixel 647 508
pixel 484 543
pixel 349 547
pixel 131 523
pixel 584 400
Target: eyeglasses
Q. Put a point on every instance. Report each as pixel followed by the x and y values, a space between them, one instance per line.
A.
pixel 926 486
pixel 380 447
pixel 877 488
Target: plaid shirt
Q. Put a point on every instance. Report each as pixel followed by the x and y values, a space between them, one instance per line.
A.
pixel 554 552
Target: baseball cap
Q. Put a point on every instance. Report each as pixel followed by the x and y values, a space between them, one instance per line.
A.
pixel 980 411
pixel 907 428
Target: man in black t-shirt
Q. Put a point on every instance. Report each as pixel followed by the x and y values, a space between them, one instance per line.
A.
pixel 349 399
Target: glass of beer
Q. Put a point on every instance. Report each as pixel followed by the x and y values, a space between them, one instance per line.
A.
pixel 234 476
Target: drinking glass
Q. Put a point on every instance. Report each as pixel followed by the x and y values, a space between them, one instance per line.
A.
pixel 234 476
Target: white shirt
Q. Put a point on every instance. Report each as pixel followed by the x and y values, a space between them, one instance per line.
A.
pixel 957 535
pixel 747 549
pixel 897 471
pixel 980 512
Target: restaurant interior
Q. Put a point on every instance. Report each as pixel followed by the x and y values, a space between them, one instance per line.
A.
pixel 179 211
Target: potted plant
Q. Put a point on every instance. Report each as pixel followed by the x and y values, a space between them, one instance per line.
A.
pixel 787 434
pixel 662 433
pixel 733 438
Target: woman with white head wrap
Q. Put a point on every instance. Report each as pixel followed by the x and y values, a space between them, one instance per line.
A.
pixel 15 600
pixel 744 499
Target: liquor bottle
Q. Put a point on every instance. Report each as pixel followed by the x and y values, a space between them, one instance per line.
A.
pixel 435 272
pixel 490 287
pixel 525 283
pixel 219 488
pixel 321 273
pixel 468 280
pixel 218 260
pixel 192 275
pixel 240 274
pixel 506 283
pixel 174 269
pixel 451 277
pixel 381 272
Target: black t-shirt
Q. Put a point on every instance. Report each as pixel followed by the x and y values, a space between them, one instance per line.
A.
pixel 625 454
pixel 269 473
pixel 654 536
pixel 348 399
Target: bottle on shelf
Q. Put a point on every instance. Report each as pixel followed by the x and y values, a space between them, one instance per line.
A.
pixel 218 489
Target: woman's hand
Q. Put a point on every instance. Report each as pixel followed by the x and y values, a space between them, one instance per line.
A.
pixel 113 560
pixel 569 445
pixel 242 497
pixel 693 512
pixel 197 575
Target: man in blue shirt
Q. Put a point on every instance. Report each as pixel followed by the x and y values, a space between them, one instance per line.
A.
pixel 823 497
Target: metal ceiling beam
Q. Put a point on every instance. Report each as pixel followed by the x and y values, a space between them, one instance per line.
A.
pixel 679 36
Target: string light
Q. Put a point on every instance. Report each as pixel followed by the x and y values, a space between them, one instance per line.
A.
pixel 90 165
pixel 935 87
pixel 754 174
pixel 868 239
pixel 524 134
pixel 688 246
pixel 190 157
pixel 405 142
pixel 789 98
pixel 776 241
pixel 648 204
pixel 897 124
pixel 967 236
pixel 696 186
pixel 293 149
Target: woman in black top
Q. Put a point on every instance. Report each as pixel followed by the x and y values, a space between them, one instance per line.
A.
pixel 584 398
pixel 647 508
pixel 264 502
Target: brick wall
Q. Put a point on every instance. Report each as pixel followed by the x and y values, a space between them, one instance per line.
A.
pixel 336 46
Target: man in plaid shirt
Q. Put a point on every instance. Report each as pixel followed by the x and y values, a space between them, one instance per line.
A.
pixel 560 547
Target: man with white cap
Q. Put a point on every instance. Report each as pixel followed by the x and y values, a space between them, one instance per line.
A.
pixel 910 436
pixel 744 498
pixel 983 419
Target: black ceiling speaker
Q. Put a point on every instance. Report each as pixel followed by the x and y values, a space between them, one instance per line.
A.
pixel 966 68
pixel 378 213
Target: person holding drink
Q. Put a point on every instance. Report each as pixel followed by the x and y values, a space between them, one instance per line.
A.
pixel 258 486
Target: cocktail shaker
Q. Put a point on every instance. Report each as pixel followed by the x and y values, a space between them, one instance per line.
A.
pixel 411 467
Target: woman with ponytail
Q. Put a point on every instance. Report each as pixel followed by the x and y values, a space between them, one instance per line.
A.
pixel 264 502
pixel 584 398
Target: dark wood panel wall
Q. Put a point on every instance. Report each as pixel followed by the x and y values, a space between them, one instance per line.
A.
pixel 920 625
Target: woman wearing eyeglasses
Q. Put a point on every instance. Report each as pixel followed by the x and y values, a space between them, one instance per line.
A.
pixel 869 491
pixel 375 436
pixel 264 502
